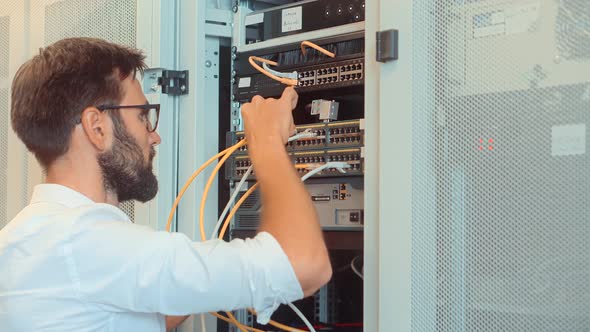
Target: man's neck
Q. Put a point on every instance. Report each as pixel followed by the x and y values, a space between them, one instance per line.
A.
pixel 82 176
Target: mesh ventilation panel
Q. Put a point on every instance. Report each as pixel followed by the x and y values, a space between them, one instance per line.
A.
pixel 4 117
pixel 112 20
pixel 501 182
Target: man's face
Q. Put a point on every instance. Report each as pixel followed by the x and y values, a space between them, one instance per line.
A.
pixel 127 165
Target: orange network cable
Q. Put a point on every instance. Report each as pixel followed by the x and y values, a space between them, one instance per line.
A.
pixel 222 233
pixel 279 325
pixel 210 182
pixel 232 213
pixel 235 209
pixel 251 190
pixel 239 203
pixel 225 153
pixel 317 47
pixel 187 184
pixel 235 321
pixel 287 81
pixel 229 321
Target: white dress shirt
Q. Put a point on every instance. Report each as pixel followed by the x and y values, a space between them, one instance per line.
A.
pixel 69 264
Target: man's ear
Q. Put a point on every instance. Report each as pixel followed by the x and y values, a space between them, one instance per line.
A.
pixel 96 125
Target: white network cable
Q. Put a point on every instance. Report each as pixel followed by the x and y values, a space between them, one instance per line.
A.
pixel 292 75
pixel 203 325
pixel 302 316
pixel 333 164
pixel 305 134
pixel 230 203
pixel 354 269
pixel 339 165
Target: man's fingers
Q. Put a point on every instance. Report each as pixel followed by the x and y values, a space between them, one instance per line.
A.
pixel 290 97
pixel 252 104
pixel 256 99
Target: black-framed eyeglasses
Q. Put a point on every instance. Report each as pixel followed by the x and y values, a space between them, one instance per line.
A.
pixel 150 113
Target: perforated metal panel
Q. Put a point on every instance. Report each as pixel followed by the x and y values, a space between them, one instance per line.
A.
pixel 112 20
pixel 4 116
pixel 501 201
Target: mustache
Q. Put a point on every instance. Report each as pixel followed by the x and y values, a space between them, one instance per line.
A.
pixel 152 153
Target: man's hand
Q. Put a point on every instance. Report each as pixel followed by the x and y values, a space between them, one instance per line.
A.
pixel 270 120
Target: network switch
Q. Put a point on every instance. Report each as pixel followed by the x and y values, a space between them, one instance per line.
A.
pixel 316 71
pixel 339 203
pixel 301 17
pixel 337 134
pixel 306 161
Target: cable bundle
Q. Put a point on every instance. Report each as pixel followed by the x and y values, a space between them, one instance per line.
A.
pixel 224 155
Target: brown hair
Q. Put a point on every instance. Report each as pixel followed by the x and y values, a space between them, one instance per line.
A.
pixel 50 91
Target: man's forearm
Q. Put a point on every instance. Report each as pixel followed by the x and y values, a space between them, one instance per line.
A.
pixel 288 213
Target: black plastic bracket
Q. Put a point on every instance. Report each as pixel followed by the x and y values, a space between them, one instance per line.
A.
pixel 173 82
pixel 387 45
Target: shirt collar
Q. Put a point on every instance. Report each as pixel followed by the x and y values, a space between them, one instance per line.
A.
pixel 55 193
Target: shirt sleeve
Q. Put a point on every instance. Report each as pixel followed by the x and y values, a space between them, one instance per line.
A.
pixel 125 267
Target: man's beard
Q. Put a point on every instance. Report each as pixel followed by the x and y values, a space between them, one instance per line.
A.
pixel 124 169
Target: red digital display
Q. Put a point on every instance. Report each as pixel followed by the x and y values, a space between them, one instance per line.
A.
pixel 483 146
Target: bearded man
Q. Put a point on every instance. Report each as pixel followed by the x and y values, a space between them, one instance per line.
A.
pixel 73 261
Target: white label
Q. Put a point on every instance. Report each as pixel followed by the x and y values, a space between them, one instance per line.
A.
pixel 507 21
pixel 488 24
pixel 254 19
pixel 497 17
pixel 244 82
pixel 568 140
pixel 522 18
pixel 492 30
pixel 291 19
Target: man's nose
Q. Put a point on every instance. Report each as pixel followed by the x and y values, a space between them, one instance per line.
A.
pixel 155 139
